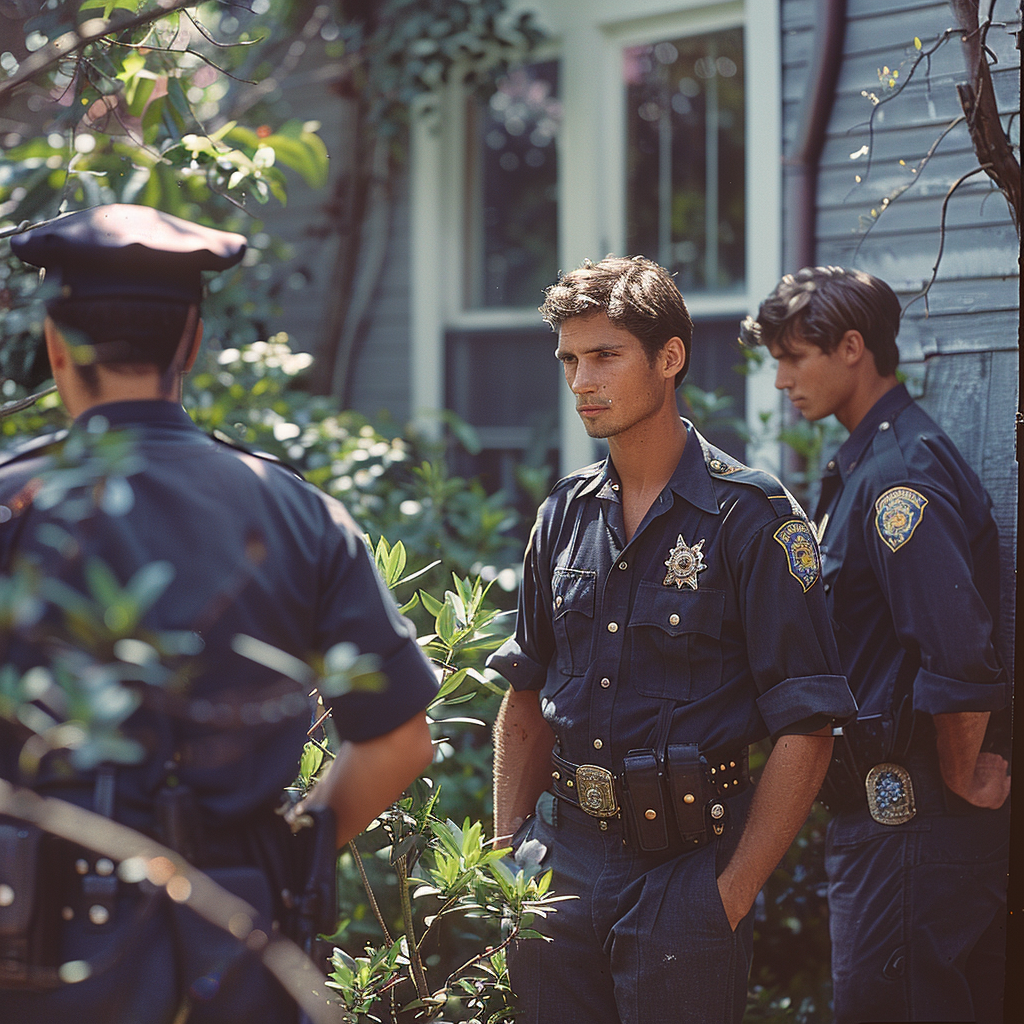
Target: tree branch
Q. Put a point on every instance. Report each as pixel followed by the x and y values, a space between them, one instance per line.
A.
pixel 88 32
pixel 977 97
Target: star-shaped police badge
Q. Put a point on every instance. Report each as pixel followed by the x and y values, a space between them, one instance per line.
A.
pixel 684 562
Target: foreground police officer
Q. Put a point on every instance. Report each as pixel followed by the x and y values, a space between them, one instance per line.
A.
pixel 670 615
pixel 255 552
pixel 916 853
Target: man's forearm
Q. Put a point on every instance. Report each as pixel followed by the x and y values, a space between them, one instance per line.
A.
pixel 522 761
pixel 365 778
pixel 980 778
pixel 787 788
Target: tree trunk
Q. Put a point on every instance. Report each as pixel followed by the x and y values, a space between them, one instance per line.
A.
pixel 979 103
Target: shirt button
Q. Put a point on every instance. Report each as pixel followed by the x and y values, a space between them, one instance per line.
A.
pixel 613 627
pixel 673 619
pixel 606 682
pixel 598 744
pixel 623 565
pixel 884 425
pixel 831 465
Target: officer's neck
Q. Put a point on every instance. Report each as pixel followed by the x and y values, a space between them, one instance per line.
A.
pixel 870 387
pixel 139 384
pixel 645 461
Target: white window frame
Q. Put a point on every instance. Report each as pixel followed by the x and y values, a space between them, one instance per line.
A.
pixel 590 37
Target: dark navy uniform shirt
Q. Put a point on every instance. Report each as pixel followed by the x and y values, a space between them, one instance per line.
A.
pixel 255 551
pixel 627 652
pixel 910 565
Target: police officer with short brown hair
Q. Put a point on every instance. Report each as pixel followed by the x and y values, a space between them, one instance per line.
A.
pixel 917 850
pixel 671 614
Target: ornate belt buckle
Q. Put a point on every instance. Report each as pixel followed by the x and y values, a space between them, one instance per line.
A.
pixel 890 794
pixel 595 790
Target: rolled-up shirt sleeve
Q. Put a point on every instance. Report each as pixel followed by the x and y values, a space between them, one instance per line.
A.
pixel 357 608
pixel 790 646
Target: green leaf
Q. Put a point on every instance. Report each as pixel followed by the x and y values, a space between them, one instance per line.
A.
pixel 431 603
pixel 451 684
pixel 395 565
pixel 446 622
pixel 149 583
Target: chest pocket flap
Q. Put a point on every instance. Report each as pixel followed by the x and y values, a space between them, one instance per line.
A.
pixel 679 611
pixel 573 591
pixel 676 647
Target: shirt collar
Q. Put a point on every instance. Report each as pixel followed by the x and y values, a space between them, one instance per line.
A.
pixel 886 409
pixel 137 413
pixel 691 479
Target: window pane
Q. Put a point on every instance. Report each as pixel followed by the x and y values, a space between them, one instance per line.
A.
pixel 685 158
pixel 511 245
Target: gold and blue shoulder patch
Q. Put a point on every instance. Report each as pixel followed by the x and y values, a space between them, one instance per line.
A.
pixel 801 551
pixel 898 513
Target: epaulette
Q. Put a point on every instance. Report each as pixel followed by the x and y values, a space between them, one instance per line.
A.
pixel 256 453
pixel 35 446
pixel 579 478
pixel 722 465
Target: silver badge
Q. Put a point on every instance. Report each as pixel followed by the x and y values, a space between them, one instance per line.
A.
pixel 890 794
pixel 684 562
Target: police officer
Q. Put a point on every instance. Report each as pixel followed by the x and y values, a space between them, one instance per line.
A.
pixel 916 852
pixel 670 615
pixel 255 552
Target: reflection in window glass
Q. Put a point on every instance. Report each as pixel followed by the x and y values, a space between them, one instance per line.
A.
pixel 511 238
pixel 685 158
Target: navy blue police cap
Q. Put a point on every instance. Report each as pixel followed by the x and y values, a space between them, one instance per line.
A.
pixel 127 252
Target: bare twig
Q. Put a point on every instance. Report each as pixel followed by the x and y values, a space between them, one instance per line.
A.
pixel 891 96
pixel 23 403
pixel 910 184
pixel 192 53
pixel 942 238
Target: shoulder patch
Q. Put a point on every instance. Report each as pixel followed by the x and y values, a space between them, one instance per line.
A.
pixel 898 513
pixel 801 552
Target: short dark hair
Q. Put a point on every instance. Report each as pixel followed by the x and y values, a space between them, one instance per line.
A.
pixel 820 304
pixel 122 333
pixel 635 293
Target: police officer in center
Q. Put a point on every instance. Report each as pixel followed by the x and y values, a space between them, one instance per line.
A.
pixel 671 614
pixel 255 552
pixel 917 850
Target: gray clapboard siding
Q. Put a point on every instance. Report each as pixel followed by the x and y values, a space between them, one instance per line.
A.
pixel 382 385
pixel 965 348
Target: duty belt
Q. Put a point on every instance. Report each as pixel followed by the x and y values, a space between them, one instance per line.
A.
pixel 669 801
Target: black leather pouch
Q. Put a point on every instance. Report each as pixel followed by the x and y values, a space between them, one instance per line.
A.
pixel 645 806
pixel 686 786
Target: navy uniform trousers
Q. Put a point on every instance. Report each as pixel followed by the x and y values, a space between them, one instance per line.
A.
pixel 646 941
pixel 901 952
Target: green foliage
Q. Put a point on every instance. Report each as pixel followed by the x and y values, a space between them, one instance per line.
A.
pixel 416 46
